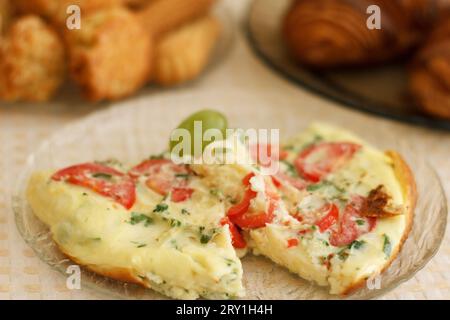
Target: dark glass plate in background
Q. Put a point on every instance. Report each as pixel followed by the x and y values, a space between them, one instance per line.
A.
pixel 380 90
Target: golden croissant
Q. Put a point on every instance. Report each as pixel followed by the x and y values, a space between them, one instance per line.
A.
pixel 430 72
pixel 334 33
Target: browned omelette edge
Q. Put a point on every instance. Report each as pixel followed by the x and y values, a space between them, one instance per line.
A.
pixel 116 273
pixel 408 184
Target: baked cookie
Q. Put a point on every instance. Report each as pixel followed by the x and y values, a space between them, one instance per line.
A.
pixel 162 16
pixel 6 14
pixel 32 61
pixel 182 55
pixel 430 73
pixel 111 55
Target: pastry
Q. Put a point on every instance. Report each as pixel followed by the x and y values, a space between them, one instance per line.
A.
pixel 334 33
pixel 111 55
pixel 161 16
pixel 32 61
pixel 430 72
pixel 182 54
pixel 6 14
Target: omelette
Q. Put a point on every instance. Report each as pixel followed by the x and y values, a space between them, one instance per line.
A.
pixel 353 207
pixel 156 225
pixel 336 212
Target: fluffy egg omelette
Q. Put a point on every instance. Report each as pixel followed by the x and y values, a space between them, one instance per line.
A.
pixel 337 212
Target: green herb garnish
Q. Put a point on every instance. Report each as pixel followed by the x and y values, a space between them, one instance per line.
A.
pixel 314 187
pixel 139 244
pixel 214 192
pixel 161 207
pixel 102 175
pixel 229 262
pixel 140 217
pixel 360 222
pixel 204 239
pixel 356 244
pixel 184 211
pixel 175 223
pixel 387 246
pixel 343 254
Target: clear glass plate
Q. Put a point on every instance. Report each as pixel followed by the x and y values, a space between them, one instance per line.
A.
pixel 138 128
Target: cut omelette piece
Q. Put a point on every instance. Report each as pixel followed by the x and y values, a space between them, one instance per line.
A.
pixel 357 201
pixel 254 206
pixel 342 213
pixel 156 225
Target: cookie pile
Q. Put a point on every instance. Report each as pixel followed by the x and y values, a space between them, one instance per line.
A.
pixel 121 46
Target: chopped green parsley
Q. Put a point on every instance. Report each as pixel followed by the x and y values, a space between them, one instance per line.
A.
pixel 387 246
pixel 161 207
pixel 140 217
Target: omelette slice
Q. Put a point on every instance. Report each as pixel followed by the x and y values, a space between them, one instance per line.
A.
pixel 156 225
pixel 339 214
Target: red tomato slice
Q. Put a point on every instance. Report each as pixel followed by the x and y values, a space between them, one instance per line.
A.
pixel 252 220
pixel 246 180
pixel 292 242
pixel 305 231
pixel 349 230
pixel 316 161
pixel 244 205
pixel 239 215
pixel 237 239
pixel 277 183
pixel 255 220
pixel 161 173
pixel 104 180
pixel 181 194
pixel 330 219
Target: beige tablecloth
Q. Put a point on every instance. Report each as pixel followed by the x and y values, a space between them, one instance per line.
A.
pixel 24 276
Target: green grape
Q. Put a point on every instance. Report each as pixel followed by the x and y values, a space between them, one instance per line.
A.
pixel 209 119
